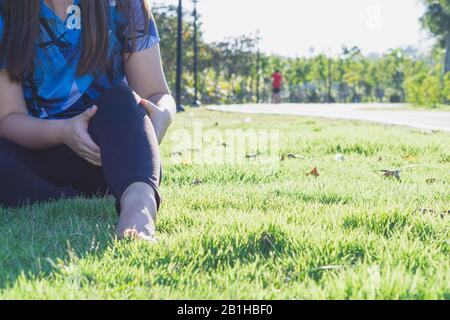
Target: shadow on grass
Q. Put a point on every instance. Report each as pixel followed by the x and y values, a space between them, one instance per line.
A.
pixel 33 238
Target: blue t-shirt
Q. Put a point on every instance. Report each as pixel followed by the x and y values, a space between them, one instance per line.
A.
pixel 53 90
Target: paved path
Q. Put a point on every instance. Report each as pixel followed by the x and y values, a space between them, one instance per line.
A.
pixel 380 113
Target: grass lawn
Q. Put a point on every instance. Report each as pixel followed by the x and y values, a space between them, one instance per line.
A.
pixel 249 231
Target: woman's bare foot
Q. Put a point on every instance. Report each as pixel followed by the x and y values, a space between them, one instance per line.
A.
pixel 133 234
pixel 138 213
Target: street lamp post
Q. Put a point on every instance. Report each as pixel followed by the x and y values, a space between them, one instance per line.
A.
pixel 258 75
pixel 179 56
pixel 196 102
pixel 258 67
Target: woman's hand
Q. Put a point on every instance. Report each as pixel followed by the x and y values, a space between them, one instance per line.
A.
pixel 161 118
pixel 77 138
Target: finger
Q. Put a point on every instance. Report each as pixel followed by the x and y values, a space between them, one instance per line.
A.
pixel 88 153
pixel 89 143
pixel 94 156
pixel 93 153
pixel 91 159
pixel 93 162
pixel 90 113
pixel 147 105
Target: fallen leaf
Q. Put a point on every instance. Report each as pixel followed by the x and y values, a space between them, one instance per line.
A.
pixel 381 159
pixel 294 156
pixel 325 268
pixel 314 172
pixel 339 157
pixel 268 239
pixel 197 182
pixel 392 174
pixel 425 210
pixel 442 214
pixel 410 157
pixel 186 162
pixel 177 153
pixel 251 156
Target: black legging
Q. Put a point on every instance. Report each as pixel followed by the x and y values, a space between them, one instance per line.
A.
pixel 129 151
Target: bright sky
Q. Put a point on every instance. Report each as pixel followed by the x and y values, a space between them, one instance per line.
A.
pixel 293 27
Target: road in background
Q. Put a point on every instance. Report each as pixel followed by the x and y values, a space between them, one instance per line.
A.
pixel 379 113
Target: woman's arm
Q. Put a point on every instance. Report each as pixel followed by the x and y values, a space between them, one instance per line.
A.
pixel 22 129
pixel 145 76
pixel 18 127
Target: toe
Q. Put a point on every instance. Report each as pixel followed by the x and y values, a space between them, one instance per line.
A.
pixel 130 234
pixel 133 234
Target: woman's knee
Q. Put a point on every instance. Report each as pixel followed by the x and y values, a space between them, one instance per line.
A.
pixel 119 110
pixel 118 103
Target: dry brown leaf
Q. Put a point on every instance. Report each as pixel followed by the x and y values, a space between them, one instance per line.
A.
pixel 314 172
pixel 186 162
pixel 392 174
pixel 411 158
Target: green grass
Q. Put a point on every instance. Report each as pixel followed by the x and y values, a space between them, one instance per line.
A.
pixel 255 232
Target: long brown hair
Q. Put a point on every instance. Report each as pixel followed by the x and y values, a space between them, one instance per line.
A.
pixel 22 30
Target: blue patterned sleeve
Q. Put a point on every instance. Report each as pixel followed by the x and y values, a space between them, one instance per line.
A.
pixel 144 40
pixel 1 38
pixel 1 27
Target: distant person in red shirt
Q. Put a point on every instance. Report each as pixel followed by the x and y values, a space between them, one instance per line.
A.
pixel 276 86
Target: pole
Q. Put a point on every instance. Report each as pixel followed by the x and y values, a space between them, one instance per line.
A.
pixel 179 56
pixel 258 71
pixel 258 75
pixel 330 77
pixel 196 102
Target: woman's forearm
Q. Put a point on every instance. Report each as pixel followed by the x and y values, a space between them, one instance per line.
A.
pixel 32 133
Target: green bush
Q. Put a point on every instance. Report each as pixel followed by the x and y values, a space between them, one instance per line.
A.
pixel 425 90
pixel 447 88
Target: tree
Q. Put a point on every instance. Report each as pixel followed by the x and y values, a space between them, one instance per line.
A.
pixel 228 72
pixel 437 20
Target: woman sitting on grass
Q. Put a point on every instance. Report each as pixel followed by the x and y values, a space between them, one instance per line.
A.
pixel 84 105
